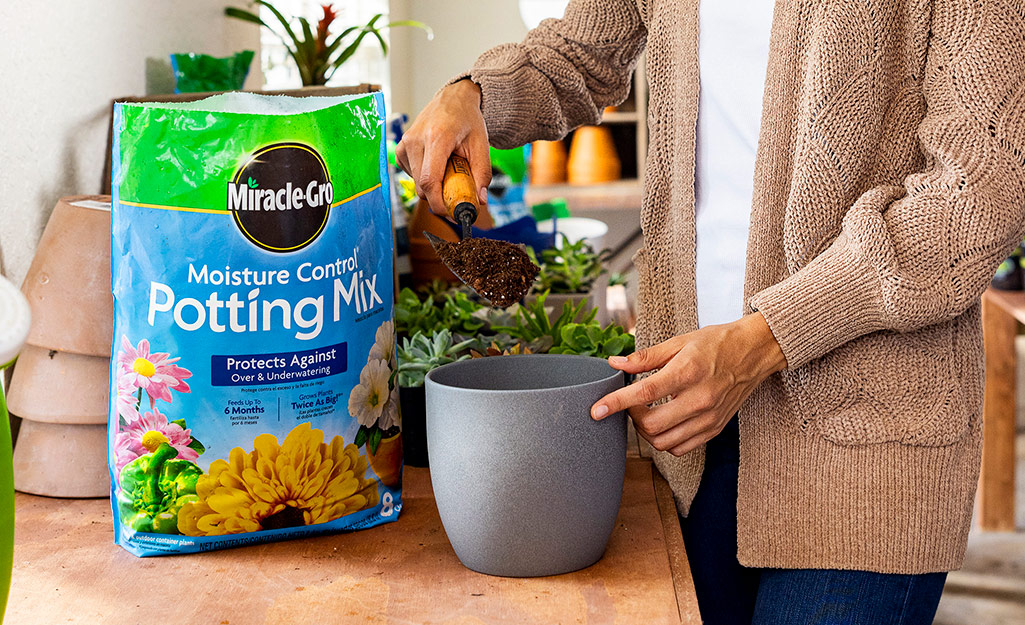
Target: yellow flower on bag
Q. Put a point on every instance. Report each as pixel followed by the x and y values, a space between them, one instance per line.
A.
pixel 303 481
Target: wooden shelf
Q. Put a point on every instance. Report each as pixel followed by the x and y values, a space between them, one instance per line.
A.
pixel 620 117
pixel 618 195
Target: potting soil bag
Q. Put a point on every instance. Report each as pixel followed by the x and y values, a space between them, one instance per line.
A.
pixel 252 396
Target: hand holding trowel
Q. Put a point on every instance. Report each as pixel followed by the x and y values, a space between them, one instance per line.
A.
pixel 498 271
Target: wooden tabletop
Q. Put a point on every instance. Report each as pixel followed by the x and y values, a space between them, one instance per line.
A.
pixel 67 570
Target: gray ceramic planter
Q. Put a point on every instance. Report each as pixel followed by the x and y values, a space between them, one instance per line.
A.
pixel 526 482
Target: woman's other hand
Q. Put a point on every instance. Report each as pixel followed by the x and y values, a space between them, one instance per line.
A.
pixel 451 123
pixel 706 376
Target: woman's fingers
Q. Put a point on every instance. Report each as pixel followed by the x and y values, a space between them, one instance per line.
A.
pixel 652 422
pixel 641 393
pixel 432 174
pixel 650 358
pixel 479 155
pixel 688 427
pixel 692 443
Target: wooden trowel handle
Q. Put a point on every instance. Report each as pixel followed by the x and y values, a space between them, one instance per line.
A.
pixel 458 188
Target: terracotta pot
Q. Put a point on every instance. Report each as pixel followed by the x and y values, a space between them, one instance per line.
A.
pixel 592 156
pixel 68 283
pixel 387 462
pixel 61 460
pixel 60 387
pixel 547 162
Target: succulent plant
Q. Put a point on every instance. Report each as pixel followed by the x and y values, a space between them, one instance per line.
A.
pixel 574 331
pixel 573 268
pixel 590 339
pixel 422 354
pixel 532 322
pixel 452 310
pixel 495 350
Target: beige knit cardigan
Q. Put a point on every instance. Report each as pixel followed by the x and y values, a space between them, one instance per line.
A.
pixel 889 184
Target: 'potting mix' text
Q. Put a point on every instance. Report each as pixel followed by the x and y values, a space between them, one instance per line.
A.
pixel 245 311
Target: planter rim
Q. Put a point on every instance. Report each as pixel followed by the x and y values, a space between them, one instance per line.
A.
pixel 431 376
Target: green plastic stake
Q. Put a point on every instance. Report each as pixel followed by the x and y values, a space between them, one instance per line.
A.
pixel 6 504
pixel 547 210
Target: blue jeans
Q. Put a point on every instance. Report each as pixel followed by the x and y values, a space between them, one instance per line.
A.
pixel 731 594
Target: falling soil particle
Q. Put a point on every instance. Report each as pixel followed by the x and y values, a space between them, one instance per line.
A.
pixel 499 271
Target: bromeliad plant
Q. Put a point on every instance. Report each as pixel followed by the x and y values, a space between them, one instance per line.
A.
pixel 316 53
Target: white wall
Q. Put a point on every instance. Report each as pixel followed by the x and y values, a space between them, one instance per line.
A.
pixel 463 29
pixel 61 63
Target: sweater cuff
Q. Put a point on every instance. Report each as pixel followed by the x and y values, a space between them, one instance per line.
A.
pixel 832 300
pixel 454 80
pixel 503 127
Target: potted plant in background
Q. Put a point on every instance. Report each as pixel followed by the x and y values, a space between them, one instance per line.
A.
pixel 575 330
pixel 418 356
pixel 316 53
pixel 568 274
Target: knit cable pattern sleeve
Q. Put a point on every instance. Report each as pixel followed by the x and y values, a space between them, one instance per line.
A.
pixel 562 75
pixel 914 256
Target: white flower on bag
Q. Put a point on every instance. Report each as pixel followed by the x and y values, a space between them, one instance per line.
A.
pixel 390 415
pixel 384 344
pixel 368 398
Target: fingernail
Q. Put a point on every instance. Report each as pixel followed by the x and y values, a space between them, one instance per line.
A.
pixel 483 194
pixel 599 411
pixel 617 360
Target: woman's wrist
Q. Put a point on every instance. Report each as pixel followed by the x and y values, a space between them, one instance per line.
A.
pixel 764 353
pixel 465 88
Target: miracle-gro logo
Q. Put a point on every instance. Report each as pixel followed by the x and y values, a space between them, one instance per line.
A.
pixel 281 197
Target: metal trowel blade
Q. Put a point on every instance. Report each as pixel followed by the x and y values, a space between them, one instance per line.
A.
pixel 503 286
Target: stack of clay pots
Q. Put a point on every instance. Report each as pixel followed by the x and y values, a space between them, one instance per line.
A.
pixel 59 387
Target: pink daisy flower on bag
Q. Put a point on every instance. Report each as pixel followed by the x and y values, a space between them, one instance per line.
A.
pixel 127 402
pixel 146 433
pixel 154 372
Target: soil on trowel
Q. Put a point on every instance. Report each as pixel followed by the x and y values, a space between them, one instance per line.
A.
pixel 500 272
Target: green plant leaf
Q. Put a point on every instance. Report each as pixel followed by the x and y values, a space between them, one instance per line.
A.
pixel 180 423
pixel 375 439
pixel 413 24
pixel 615 346
pixel 361 436
pixel 246 16
pixel 572 268
pixel 281 18
pixel 352 47
pixel 197 446
pixel 308 46
pixel 384 45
